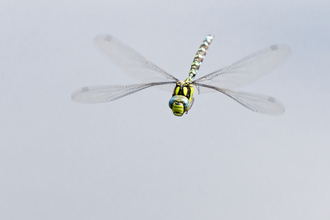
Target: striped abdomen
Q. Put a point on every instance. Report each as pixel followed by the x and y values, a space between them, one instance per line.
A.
pixel 199 57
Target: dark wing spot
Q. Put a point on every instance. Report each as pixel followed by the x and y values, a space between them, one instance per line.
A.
pixel 274 47
pixel 84 89
pixel 108 38
pixel 271 99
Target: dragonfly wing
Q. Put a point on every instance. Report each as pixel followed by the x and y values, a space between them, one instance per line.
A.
pixel 248 69
pixel 131 61
pixel 101 94
pixel 255 102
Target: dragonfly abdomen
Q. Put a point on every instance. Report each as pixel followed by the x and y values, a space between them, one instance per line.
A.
pixel 198 59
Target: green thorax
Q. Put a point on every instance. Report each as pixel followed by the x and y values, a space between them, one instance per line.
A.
pixel 199 58
pixel 185 89
pixel 182 98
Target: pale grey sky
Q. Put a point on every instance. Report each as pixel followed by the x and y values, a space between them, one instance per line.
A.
pixel 132 159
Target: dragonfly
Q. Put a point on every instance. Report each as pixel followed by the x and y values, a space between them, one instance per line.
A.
pixel 223 80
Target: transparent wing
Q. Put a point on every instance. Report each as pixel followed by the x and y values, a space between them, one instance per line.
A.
pixel 248 69
pixel 101 94
pixel 255 102
pixel 131 61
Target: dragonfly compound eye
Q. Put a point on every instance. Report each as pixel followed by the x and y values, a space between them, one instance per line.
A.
pixel 179 105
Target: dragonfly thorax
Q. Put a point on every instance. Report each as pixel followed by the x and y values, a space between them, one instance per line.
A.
pixel 182 98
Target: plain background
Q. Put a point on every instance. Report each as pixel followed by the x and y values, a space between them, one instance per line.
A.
pixel 131 158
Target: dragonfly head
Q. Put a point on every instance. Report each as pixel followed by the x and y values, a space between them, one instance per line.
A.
pixel 179 105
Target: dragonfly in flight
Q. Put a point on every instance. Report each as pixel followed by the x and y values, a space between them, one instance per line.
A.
pixel 223 80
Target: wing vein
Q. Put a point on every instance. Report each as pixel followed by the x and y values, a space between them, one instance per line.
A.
pixel 247 69
pixel 101 94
